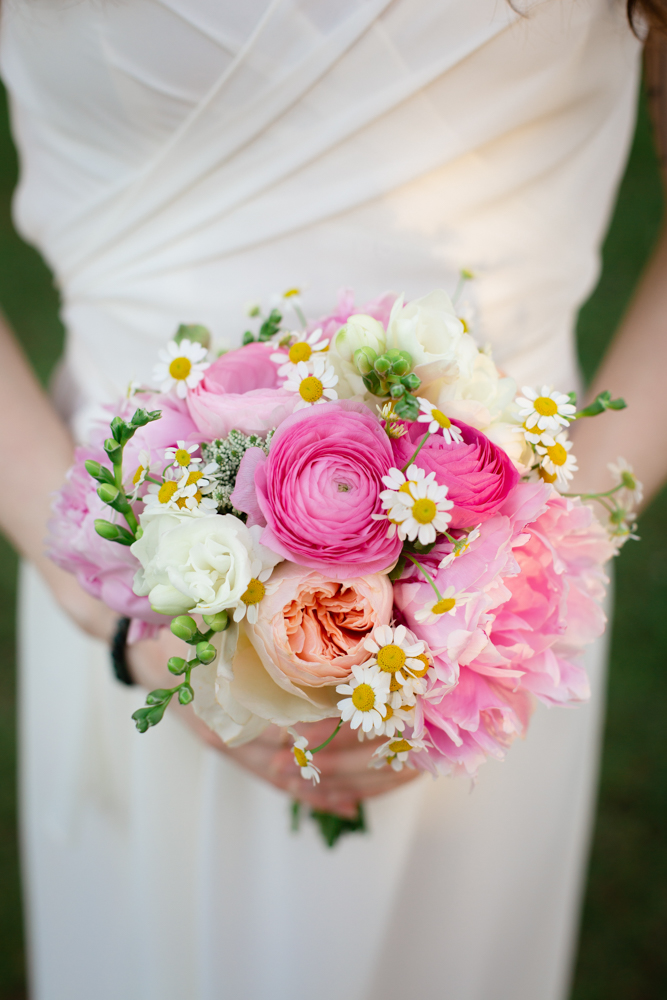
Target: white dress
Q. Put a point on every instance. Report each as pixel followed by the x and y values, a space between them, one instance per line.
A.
pixel 178 159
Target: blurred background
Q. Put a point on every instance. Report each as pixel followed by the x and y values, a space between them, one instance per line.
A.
pixel 622 953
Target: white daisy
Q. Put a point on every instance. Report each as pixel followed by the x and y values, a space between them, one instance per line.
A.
pixel 461 546
pixel 438 421
pixel 395 719
pixel 140 473
pixel 393 424
pixel 368 691
pixel 392 651
pixel 304 347
pixel 186 494
pixel 182 366
pixel 446 604
pixel 304 757
pixel 182 455
pixel 548 411
pixel 416 510
pixel 559 465
pixel 316 386
pixel 397 752
pixel 632 493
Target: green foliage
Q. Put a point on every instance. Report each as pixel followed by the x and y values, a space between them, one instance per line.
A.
pixel 228 453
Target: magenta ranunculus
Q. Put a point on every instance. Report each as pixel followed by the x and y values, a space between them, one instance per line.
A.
pixel 319 488
pixel 478 474
pixel 240 391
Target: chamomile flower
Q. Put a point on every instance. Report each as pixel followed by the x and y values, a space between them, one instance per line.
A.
pixel 547 411
pixel 316 386
pixel 395 720
pixel 304 757
pixel 632 493
pixel 438 421
pixel 182 455
pixel 140 473
pixel 397 752
pixel 368 693
pixel 557 461
pixel 446 604
pixel 186 494
pixel 461 546
pixel 392 651
pixel 418 509
pixel 305 347
pixel 393 425
pixel 181 367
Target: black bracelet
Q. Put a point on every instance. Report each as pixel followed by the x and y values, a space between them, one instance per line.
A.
pixel 118 651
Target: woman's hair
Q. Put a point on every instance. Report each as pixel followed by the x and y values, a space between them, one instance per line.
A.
pixel 653 12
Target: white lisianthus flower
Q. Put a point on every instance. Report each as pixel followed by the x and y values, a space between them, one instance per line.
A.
pixel 431 332
pixel 194 564
pixel 359 331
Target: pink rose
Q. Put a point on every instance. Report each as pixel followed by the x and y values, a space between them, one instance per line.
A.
pixel 319 488
pixel 240 390
pixel 478 474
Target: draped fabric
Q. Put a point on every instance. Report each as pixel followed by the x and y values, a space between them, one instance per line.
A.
pixel 180 158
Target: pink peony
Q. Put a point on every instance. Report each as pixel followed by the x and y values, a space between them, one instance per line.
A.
pixel 319 487
pixel 379 309
pixel 240 391
pixel 478 474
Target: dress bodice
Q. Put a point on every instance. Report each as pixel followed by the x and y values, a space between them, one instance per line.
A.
pixel 182 157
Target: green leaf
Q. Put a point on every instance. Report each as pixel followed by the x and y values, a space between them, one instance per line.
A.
pixel 248 338
pixel 332 827
pixel 158 696
pixel 270 326
pixel 602 402
pixel 397 571
pixel 195 333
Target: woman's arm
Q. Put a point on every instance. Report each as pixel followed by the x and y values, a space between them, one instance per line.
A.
pixel 635 365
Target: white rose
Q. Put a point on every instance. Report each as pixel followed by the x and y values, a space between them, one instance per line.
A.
pixel 359 331
pixel 481 399
pixel 194 564
pixel 435 337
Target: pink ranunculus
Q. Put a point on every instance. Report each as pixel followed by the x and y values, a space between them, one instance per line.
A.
pixel 330 324
pixel 311 629
pixel 319 487
pixel 478 474
pixel 240 391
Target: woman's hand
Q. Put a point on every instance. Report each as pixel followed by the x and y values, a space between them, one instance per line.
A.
pixel 346 775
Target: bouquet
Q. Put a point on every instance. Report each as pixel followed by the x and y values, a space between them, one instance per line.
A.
pixel 358 520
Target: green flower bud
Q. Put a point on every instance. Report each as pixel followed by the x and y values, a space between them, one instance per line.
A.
pixel 140 719
pixel 411 382
pixel 397 390
pixel 195 333
pixel 176 665
pixel 372 383
pixel 106 529
pixel 185 694
pixel 407 408
pixel 117 427
pixel 206 652
pixel 400 366
pixel 364 359
pixel 217 622
pixel 382 364
pixel 111 447
pixel 248 338
pixel 108 493
pixel 184 627
pixel 157 696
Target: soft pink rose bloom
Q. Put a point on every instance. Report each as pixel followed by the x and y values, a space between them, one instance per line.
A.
pixel 542 587
pixel 330 324
pixel 240 391
pixel 311 629
pixel 319 488
pixel 105 569
pixel 478 474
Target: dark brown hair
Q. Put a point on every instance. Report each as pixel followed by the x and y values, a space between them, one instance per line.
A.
pixel 653 12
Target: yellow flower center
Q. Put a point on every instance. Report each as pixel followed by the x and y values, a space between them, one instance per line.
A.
pixel 300 757
pixel 182 457
pixel 557 454
pixel 254 593
pixel 182 501
pixel 399 746
pixel 138 474
pixel 363 697
pixel 395 684
pixel 424 511
pixel 443 606
pixel 167 490
pixel 415 671
pixel 441 418
pixel 194 477
pixel 546 476
pixel 180 368
pixel 391 658
pixel 389 713
pixel 300 351
pixel 532 430
pixel 405 487
pixel 628 480
pixel 291 292
pixel 545 406
pixel 466 328
pixel 311 389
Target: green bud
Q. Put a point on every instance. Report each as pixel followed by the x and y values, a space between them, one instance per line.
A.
pixel 111 447
pixel 184 627
pixel 195 333
pixel 400 366
pixel 117 427
pixel 372 383
pixel 176 665
pixel 206 652
pixel 397 390
pixel 157 696
pixel 141 720
pixel 217 622
pixel 185 694
pixel 113 532
pixel 382 364
pixel 248 338
pixel 407 408
pixel 142 417
pixel 138 533
pixel 108 493
pixel 156 713
pixel 364 359
pixel 393 354
pixel 411 382
pixel 99 472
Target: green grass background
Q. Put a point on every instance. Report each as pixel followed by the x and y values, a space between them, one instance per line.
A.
pixel 623 950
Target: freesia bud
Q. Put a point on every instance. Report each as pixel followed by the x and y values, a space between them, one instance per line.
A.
pixel 184 627
pixel 217 622
pixel 206 652
pixel 364 359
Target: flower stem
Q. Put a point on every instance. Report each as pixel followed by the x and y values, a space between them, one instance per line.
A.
pixel 427 575
pixel 419 448
pixel 328 741
pixel 594 496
